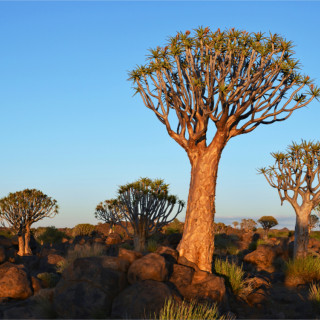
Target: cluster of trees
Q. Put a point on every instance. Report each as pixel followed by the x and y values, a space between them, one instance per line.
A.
pixel 237 81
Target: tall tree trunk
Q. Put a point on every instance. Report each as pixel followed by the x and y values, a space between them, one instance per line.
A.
pixel 21 241
pixel 301 235
pixel 197 243
pixel 140 235
pixel 27 250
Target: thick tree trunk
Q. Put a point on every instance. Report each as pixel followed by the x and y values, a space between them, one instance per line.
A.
pixel 139 242
pixel 21 244
pixel 197 243
pixel 27 250
pixel 301 236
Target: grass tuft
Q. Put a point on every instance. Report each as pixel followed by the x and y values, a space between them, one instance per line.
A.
pixel 81 251
pixel 307 269
pixel 173 310
pixel 152 245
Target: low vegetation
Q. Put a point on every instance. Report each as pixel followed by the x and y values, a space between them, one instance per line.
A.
pixel 83 229
pixel 48 279
pixel 307 269
pixel 174 310
pixel 49 235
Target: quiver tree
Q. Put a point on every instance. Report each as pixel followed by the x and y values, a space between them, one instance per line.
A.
pixel 141 209
pixel 235 224
pixel 248 224
pixel 108 212
pixel 313 221
pixel 23 208
pixel 232 79
pixel 296 176
pixel 267 222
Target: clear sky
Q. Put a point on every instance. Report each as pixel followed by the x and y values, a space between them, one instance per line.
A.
pixel 71 128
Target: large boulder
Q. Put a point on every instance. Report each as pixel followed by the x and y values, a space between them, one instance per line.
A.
pixel 264 257
pixel 5 242
pixel 88 287
pixel 14 282
pixel 129 255
pixel 199 285
pixel 150 267
pixel 142 300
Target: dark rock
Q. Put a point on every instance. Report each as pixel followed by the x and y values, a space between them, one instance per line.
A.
pixel 263 258
pixel 129 255
pixel 173 240
pixel 150 267
pixel 5 242
pixel 54 259
pixel 88 287
pixel 36 284
pixel 167 251
pixel 2 254
pixel 181 276
pixel 14 282
pixel 141 300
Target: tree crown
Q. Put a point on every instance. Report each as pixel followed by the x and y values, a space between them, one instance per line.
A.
pixel 26 207
pixel 268 222
pixel 234 78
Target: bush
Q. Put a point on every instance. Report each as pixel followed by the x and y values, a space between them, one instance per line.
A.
pixel 6 233
pixel 49 280
pixel 49 235
pixel 81 251
pixel 307 269
pixel 189 311
pixel 84 229
pixel 233 274
pixel 226 244
pixel 152 245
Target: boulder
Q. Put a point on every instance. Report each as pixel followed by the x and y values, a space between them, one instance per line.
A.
pixel 129 255
pixel 54 259
pixel 263 258
pixel 259 291
pixel 14 282
pixel 88 287
pixel 205 287
pixel 2 254
pixel 150 267
pixel 113 238
pixel 5 242
pixel 36 284
pixel 168 252
pixel 142 300
pixel 181 276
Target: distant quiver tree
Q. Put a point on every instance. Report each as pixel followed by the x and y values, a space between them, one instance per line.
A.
pixel 232 79
pixel 248 224
pixel 142 208
pixel 267 222
pixel 296 176
pixel 313 221
pixel 23 208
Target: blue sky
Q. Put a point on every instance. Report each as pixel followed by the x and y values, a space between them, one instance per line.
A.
pixel 71 128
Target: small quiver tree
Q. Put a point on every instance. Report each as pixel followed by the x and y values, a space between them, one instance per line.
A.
pixel 230 81
pixel 267 222
pixel 144 205
pixel 23 208
pixel 235 224
pixel 248 224
pixel 313 221
pixel 296 176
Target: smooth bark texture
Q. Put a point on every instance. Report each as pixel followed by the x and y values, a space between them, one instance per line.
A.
pixel 139 243
pixel 27 249
pixel 301 236
pixel 197 243
pixel 21 245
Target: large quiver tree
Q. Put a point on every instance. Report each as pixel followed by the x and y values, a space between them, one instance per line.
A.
pixel 233 79
pixel 296 176
pixel 23 208
pixel 141 209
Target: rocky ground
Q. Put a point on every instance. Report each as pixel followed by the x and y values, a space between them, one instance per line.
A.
pixel 122 283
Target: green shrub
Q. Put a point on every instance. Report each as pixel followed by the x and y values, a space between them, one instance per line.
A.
pixel 226 244
pixel 127 246
pixel 49 235
pixel 307 269
pixel 152 245
pixel 233 274
pixel 81 251
pixel 174 227
pixel 173 310
pixel 84 229
pixel 6 233
pixel 49 280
